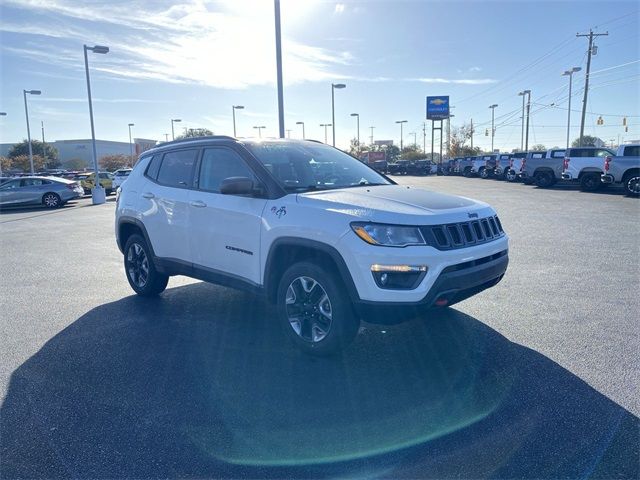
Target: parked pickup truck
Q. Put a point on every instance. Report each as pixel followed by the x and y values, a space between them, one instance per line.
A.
pixel 501 166
pixel 542 168
pixel 584 165
pixel 515 164
pixel 624 167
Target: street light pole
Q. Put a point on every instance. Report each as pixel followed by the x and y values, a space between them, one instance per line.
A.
pixel 276 4
pixel 44 151
pixel 493 116
pixel 526 135
pixel 130 146
pixel 401 122
pixel 333 108
pixel 357 115
pixel 173 134
pixel 26 113
pixel 97 193
pixel 570 73
pixel 302 123
pixel 325 125
pixel 371 135
pixel 260 130
pixel 233 111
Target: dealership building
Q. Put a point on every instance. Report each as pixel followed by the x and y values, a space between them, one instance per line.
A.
pixel 82 150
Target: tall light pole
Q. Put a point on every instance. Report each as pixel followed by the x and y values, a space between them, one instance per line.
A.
pixel 97 193
pixel 173 134
pixel 570 73
pixel 276 5
pixel 371 137
pixel 333 108
pixel 130 146
pixel 401 122
pixel 522 94
pixel 26 113
pixel 493 116
pixel 357 115
pixel 325 125
pixel 526 132
pixel 302 123
pixel 166 137
pixel 44 151
pixel 590 52
pixel 259 128
pixel 233 112
pixel 2 114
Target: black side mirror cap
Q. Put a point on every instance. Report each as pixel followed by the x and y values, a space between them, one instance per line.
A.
pixel 237 186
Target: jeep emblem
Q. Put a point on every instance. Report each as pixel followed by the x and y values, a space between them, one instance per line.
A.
pixel 472 215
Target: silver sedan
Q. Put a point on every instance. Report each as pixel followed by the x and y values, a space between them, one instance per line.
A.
pixel 52 192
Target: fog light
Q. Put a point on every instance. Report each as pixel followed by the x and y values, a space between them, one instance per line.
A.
pixel 398 277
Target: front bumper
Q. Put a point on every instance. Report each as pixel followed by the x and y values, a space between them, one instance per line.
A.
pixel 607 178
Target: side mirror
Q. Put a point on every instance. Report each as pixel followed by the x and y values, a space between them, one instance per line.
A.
pixel 236 186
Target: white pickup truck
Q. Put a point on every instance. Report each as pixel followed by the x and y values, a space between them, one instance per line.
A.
pixel 585 165
pixel 624 168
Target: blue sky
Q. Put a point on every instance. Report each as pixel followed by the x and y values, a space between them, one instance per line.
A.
pixel 195 59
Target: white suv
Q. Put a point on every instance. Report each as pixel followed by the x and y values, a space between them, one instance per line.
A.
pixel 323 236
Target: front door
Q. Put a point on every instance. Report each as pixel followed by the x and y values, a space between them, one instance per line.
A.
pixel 225 229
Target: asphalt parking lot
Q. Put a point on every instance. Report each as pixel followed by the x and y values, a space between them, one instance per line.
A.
pixel 537 377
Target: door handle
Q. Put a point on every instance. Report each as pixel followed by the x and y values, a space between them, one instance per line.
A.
pixel 148 195
pixel 198 204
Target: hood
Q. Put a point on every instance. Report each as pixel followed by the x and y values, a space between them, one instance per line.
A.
pixel 394 204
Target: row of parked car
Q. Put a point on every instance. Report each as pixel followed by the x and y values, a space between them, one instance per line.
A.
pixel 590 167
pixel 54 188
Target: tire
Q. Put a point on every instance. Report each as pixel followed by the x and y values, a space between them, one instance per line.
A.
pixel 484 173
pixel 467 172
pixel 631 184
pixel 314 310
pixel 544 179
pixel 590 182
pixel 511 176
pixel 51 200
pixel 136 256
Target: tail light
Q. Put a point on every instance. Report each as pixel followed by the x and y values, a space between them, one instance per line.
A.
pixel 565 164
pixel 524 162
pixel 607 161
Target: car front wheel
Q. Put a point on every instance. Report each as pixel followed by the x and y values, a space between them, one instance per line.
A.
pixel 140 270
pixel 511 176
pixel 314 310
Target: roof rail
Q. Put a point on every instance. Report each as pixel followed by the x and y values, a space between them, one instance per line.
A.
pixel 191 139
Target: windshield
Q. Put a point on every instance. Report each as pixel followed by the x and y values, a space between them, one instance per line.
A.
pixel 304 166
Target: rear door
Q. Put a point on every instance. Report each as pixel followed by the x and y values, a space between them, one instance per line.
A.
pixel 164 203
pixel 225 229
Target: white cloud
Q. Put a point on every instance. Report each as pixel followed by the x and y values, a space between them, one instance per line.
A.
pixel 463 81
pixel 231 47
pixel 339 8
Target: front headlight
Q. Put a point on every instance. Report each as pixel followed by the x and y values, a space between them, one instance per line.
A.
pixel 388 235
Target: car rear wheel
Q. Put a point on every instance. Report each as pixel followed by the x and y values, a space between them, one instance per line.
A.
pixel 51 200
pixel 632 184
pixel 510 176
pixel 484 173
pixel 544 179
pixel 590 182
pixel 314 311
pixel 140 270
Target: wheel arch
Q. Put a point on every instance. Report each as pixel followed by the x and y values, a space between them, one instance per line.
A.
pixel 286 251
pixel 629 172
pixel 128 226
pixel 587 170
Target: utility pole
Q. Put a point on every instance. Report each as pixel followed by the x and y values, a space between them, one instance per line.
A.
pixel 44 150
pixel 526 137
pixel 276 4
pixel 586 77
pixel 371 137
pixel 424 137
pixel 472 134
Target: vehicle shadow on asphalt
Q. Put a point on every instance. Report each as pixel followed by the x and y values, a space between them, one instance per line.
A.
pixel 199 383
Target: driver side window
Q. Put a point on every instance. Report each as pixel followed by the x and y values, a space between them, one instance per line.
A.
pixel 221 163
pixel 10 185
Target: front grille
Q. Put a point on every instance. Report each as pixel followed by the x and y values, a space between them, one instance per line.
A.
pixel 465 234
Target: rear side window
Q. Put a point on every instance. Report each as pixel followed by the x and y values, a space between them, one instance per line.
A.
pixel 221 163
pixel 585 152
pixel 632 151
pixel 153 167
pixel 177 167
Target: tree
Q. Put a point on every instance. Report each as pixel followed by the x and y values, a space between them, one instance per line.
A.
pixel 587 141
pixel 38 148
pixel 22 163
pixel 111 163
pixel 5 163
pixel 458 142
pixel 196 132
pixel 355 148
pixel 75 164
pixel 538 148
